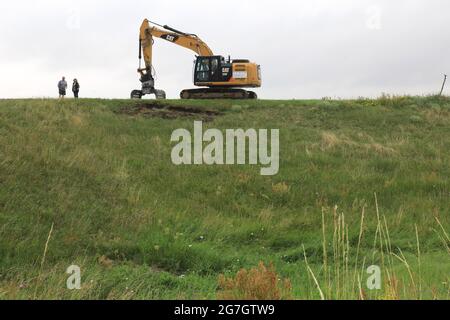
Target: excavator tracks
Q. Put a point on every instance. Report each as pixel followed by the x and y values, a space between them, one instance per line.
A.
pixel 159 94
pixel 217 93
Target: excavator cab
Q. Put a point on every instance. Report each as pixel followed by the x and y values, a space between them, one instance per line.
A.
pixel 224 78
pixel 212 69
pixel 216 71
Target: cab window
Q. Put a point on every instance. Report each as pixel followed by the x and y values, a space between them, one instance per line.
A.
pixel 202 70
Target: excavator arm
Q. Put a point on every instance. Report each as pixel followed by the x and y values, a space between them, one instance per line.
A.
pixel 188 41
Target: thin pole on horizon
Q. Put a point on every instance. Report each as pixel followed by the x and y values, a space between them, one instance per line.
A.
pixel 443 85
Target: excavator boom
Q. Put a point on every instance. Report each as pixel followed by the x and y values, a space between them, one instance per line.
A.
pixel 188 41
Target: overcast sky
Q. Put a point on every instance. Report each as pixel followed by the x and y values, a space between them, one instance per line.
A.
pixel 307 48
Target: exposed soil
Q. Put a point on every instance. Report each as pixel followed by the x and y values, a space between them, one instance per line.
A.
pixel 164 111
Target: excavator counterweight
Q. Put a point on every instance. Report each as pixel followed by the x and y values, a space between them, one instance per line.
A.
pixel 219 78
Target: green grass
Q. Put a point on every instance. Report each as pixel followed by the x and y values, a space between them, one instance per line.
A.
pixel 142 228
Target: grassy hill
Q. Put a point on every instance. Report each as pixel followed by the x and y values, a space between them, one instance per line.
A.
pixel 361 182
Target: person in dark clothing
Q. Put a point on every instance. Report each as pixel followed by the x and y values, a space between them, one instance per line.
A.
pixel 75 88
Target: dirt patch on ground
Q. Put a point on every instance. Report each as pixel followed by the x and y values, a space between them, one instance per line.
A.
pixel 156 110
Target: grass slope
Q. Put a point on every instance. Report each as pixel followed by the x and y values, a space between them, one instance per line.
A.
pixel 142 228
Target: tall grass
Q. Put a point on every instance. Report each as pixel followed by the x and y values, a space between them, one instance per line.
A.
pixel 342 279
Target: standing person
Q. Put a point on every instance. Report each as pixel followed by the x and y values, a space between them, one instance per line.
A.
pixel 75 88
pixel 62 86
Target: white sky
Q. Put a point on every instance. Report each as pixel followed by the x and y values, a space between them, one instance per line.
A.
pixel 307 49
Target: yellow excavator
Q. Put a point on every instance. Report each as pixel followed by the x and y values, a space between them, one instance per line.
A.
pixel 219 78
